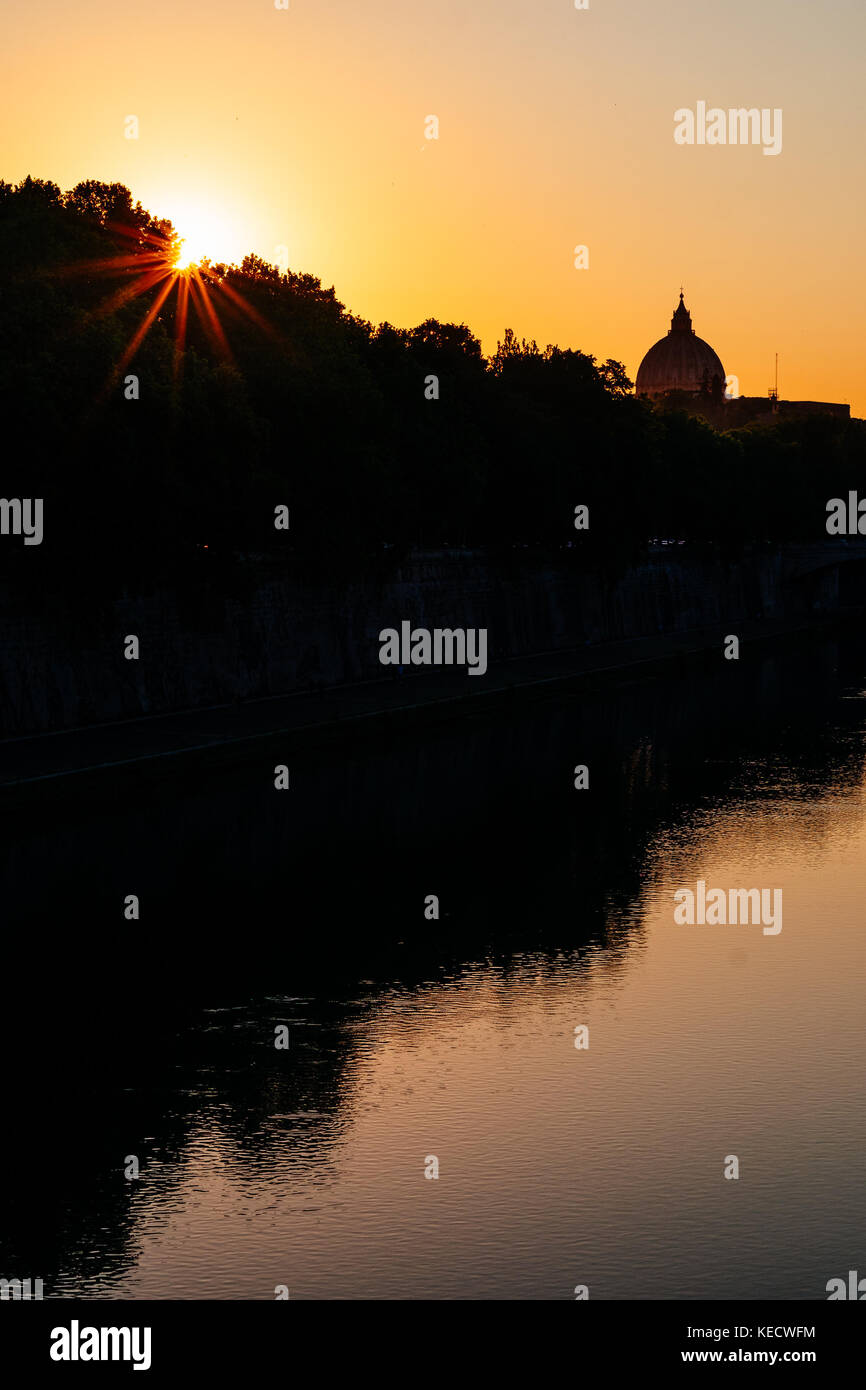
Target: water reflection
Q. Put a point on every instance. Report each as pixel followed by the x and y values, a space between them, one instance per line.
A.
pixel 455 1038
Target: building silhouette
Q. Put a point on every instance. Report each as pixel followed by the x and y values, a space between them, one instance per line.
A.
pixel 682 371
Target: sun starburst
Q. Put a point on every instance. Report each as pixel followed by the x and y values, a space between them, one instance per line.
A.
pixel 154 267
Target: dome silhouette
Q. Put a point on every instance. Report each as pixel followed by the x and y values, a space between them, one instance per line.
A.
pixel 681 361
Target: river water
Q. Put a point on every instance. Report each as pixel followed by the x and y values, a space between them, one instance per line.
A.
pixel 411 1039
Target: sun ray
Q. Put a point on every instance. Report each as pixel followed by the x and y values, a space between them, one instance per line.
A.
pixel 137 339
pixel 110 264
pixel 182 310
pixel 145 282
pixel 180 327
pixel 212 324
pixel 239 301
pixel 144 327
pixel 140 234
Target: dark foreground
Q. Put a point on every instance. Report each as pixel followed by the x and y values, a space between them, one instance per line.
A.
pixel 412 1036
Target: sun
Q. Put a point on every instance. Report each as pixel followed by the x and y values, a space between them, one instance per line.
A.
pixel 188 278
pixel 206 234
pixel 199 240
pixel 188 259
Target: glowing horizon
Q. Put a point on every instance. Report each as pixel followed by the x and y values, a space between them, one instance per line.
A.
pixel 300 136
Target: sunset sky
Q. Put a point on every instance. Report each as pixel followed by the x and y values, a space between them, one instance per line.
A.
pixel 306 128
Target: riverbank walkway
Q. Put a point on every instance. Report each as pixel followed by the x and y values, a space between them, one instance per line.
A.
pixel 158 745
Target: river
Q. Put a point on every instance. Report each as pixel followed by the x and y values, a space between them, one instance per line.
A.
pixel 412 1038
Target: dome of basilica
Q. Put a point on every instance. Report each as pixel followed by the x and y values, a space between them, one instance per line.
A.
pixel 680 362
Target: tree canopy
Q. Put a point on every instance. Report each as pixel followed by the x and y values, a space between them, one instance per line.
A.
pixel 257 387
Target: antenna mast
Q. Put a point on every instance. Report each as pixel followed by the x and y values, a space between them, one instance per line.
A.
pixel 773 391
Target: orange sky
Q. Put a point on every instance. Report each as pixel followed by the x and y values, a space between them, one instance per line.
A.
pixel 305 128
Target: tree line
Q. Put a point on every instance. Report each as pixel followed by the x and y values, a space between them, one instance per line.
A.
pixel 256 387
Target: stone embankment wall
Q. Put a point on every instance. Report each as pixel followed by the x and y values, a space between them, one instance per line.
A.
pixel 269 633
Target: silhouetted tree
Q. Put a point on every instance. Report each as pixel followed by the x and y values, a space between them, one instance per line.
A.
pixel 377 437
